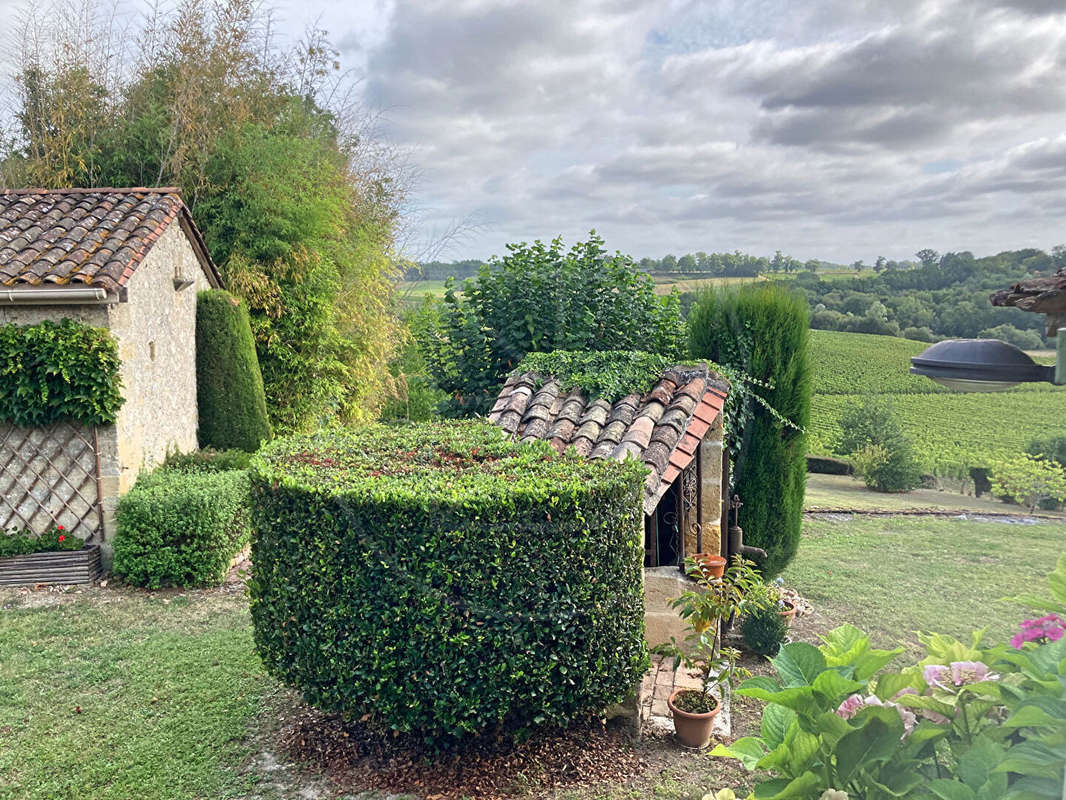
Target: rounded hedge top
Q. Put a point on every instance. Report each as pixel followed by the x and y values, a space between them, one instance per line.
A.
pixel 453 462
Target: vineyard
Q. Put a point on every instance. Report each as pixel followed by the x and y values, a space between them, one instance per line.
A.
pixel 949 429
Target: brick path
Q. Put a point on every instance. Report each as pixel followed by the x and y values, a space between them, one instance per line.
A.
pixel 657 686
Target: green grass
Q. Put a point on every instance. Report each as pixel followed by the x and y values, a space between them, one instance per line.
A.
pixel 166 690
pixel 893 576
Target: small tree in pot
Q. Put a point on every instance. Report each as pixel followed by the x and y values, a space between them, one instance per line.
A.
pixel 704 607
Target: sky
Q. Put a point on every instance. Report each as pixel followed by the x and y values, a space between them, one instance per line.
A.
pixel 832 129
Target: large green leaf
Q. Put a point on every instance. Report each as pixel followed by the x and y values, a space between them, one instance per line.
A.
pixel 843 645
pixel 891 683
pixel 976 764
pixel 950 790
pixel 834 687
pixel 798 664
pixel 1032 759
pixel 776 720
pixel 872 744
pixel 747 751
pixel 800 698
pixel 799 788
pixel 872 661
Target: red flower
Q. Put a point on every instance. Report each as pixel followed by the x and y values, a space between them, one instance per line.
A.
pixel 62 538
pixel 60 528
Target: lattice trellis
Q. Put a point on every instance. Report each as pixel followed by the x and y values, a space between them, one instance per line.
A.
pixel 48 476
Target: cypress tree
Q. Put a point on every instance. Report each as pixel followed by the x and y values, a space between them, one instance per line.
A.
pixel 762 330
pixel 229 385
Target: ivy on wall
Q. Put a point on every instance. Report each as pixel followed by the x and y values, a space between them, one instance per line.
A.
pixel 55 371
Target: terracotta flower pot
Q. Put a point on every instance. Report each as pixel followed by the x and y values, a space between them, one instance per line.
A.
pixel 693 730
pixel 712 565
pixel 789 613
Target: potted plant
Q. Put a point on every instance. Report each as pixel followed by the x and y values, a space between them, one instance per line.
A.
pixel 51 557
pixel 703 607
pixel 712 564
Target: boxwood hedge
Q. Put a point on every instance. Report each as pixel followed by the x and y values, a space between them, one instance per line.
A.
pixel 442 580
pixel 181 528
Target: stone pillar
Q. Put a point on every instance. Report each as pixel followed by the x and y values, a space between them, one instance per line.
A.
pixel 710 492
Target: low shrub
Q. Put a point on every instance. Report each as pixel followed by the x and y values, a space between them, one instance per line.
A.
pixel 825 465
pixel 208 461
pixel 878 448
pixel 1029 480
pixel 444 580
pixel 764 630
pixel 178 528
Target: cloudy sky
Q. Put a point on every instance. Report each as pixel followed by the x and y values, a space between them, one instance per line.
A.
pixel 836 129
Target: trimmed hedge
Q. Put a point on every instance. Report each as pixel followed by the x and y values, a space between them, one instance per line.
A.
pixel 58 370
pixel 180 528
pixel 229 384
pixel 762 330
pixel 208 461
pixel 826 465
pixel 444 580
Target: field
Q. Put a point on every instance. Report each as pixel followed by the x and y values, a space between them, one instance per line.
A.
pixel 947 427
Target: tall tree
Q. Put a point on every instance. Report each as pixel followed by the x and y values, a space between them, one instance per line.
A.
pixel 298 206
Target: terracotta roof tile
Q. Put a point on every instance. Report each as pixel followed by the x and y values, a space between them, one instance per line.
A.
pixel 95 237
pixel 663 428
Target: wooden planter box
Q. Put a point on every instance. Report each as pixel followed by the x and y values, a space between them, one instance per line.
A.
pixel 67 566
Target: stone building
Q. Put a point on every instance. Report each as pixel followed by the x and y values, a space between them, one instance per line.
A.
pixel 676 429
pixel 130 261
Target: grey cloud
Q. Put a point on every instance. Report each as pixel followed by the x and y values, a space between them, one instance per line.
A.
pixel 667 127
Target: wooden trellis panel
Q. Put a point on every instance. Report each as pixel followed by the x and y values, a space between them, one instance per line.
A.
pixel 49 476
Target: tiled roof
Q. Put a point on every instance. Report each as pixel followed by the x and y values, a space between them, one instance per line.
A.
pixel 663 428
pixel 1043 295
pixel 95 237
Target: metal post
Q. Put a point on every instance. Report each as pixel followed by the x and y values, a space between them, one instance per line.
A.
pixel 1060 358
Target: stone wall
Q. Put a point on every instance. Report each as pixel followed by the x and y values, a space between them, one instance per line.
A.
pixel 156 333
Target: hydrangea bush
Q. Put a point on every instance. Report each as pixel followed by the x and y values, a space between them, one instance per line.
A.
pixel 967 722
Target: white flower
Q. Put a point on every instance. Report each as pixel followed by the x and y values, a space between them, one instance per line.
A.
pixel 833 794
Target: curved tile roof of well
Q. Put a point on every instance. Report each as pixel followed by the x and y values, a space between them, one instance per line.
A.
pixel 94 237
pixel 662 428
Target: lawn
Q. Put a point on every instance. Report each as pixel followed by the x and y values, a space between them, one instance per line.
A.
pixel 894 576
pixel 846 493
pixel 120 694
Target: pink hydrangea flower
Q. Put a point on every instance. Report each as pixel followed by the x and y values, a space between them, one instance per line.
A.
pixel 855 703
pixel 936 675
pixel 1049 628
pixel 850 707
